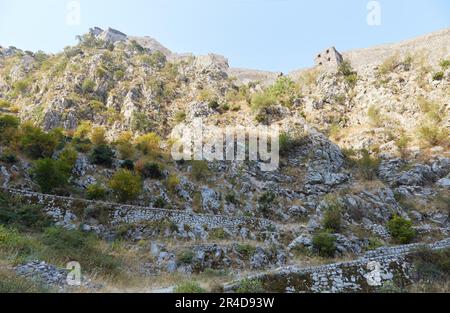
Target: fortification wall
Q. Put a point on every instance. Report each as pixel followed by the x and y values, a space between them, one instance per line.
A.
pixel 351 276
pixel 71 210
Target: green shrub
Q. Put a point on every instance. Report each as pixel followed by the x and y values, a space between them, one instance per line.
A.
pixel 22 216
pixel 126 185
pixel 368 165
pixel 433 134
pixel 265 201
pixel 88 86
pixel 172 182
pixel 21 86
pixel 438 76
pixel 230 198
pixel 332 218
pixel 160 203
pixel 11 283
pixel 141 122
pixel 262 100
pixel 96 106
pixel 128 165
pixel 180 117
pixel 445 64
pixel 218 234
pixel 119 74
pixel 8 157
pixel 324 244
pixel 245 250
pixel 189 287
pixel 75 245
pixel 4 104
pixel 152 170
pixel 149 143
pixel 102 155
pixel 431 265
pixel 284 90
pixel 185 257
pixel 250 286
pixel 8 121
pixel 36 143
pixel 68 158
pixel 50 174
pixel 200 170
pixel 401 229
pixel 375 117
pixel 95 192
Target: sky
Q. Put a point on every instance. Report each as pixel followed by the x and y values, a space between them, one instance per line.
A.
pixel 276 35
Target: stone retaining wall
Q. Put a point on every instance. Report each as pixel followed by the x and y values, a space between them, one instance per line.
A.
pixel 115 214
pixel 379 266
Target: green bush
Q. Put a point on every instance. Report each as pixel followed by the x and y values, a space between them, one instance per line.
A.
pixel 36 143
pixel 11 283
pixel 75 245
pixel 375 117
pixel 50 174
pixel 102 155
pixel 265 201
pixel 21 86
pixel 185 257
pixel 438 76
pixel 152 170
pixel 368 165
pixel 218 234
pixel 431 265
pixel 262 100
pixel 160 203
pixel 189 287
pixel 284 90
pixel 8 121
pixel 324 244
pixel 88 86
pixel 8 157
pixel 126 185
pixel 141 122
pixel 180 117
pixel 200 170
pixel 250 286
pixel 401 229
pixel 245 250
pixel 22 216
pixel 4 104
pixel 128 165
pixel 445 64
pixel 119 74
pixel 332 219
pixel 433 134
pixel 95 192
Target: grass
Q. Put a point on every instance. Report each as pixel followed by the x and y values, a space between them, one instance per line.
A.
pixel 11 283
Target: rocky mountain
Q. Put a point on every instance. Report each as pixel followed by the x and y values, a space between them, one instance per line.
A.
pixel 365 161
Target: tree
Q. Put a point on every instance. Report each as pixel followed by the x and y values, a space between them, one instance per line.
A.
pixel 401 229
pixel 50 174
pixel 36 143
pixel 148 143
pixel 324 244
pixel 126 185
pixel 102 155
pixel 98 136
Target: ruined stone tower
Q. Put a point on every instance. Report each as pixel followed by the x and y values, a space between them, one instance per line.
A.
pixel 329 58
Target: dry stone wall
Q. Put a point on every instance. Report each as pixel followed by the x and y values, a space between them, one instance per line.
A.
pixel 363 275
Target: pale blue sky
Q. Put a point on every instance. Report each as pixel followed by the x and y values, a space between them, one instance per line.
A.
pixel 278 35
